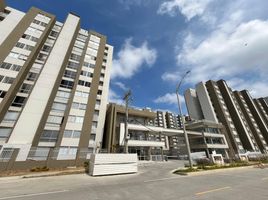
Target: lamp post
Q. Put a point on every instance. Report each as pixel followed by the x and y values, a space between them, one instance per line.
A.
pixel 183 124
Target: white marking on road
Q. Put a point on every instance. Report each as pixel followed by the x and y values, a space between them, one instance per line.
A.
pixel 161 179
pixel 266 178
pixel 34 194
pixel 214 190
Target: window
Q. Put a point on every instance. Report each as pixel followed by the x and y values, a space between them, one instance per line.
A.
pixel 80 106
pixel 69 74
pixel 41 57
pixel 31 76
pixel 75 119
pixel 4 133
pixel 87 74
pixel 72 65
pixel 53 34
pixel 81 94
pixel 54 120
pixel 63 95
pixel 49 136
pixel 29 37
pixel 84 83
pixel 46 48
pixel 25 88
pixel 11 116
pixel 86 64
pixel 75 57
pixel 92 137
pixel 66 84
pixel 99 92
pixel 5 65
pixel 8 80
pixel 60 107
pixel 2 93
pixel 18 101
pixel 71 134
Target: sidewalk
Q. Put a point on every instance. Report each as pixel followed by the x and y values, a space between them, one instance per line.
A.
pixel 18 175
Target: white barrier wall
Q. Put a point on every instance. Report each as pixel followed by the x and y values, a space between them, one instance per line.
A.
pixel 109 164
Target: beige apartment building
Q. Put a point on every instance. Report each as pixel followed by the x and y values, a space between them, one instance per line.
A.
pixel 54 82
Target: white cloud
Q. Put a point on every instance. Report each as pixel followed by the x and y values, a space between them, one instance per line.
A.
pixel 130 59
pixel 169 98
pixel 115 98
pixel 227 54
pixel 120 85
pixel 232 47
pixel 188 8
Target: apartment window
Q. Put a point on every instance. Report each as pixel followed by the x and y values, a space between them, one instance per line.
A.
pixel 82 37
pixel 71 134
pixel 80 106
pixel 19 101
pixel 102 75
pixel 69 74
pixel 53 34
pixel 2 93
pixel 92 137
pixel 75 119
pixel 99 92
pixel 101 83
pixel 41 57
pixel 84 83
pixel 81 94
pixel 25 88
pixel 46 48
pixel 29 37
pixel 53 119
pixel 72 65
pixel 4 133
pixel 8 80
pixel 66 84
pixel 31 76
pixel 59 107
pixel 89 65
pixel 49 136
pixel 11 116
pixel 75 57
pixel 87 74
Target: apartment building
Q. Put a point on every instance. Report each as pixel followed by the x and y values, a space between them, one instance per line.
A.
pixel 151 140
pixel 244 125
pixel 54 81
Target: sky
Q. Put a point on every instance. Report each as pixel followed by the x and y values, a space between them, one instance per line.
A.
pixel 157 41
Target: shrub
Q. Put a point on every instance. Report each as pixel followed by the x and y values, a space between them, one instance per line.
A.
pixel 40 169
pixel 203 162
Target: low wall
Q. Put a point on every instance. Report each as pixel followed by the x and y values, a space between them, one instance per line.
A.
pixel 110 164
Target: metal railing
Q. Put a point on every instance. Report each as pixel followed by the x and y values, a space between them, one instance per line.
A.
pixel 38 153
pixel 6 154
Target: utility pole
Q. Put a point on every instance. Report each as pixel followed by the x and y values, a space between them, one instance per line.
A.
pixel 126 99
pixel 183 122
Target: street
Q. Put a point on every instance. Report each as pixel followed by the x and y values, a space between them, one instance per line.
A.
pixel 154 181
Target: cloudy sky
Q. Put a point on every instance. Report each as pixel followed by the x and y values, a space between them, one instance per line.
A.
pixel 157 41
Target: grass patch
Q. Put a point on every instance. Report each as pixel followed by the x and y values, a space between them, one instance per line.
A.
pixel 202 167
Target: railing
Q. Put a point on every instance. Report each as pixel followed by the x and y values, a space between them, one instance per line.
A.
pixel 38 153
pixel 6 154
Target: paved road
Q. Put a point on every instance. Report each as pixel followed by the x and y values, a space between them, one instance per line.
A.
pixel 154 181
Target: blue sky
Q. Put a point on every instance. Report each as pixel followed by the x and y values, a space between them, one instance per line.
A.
pixel 157 41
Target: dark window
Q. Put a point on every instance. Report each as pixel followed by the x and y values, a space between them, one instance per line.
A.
pixel 2 93
pixel 66 84
pixel 31 76
pixel 18 101
pixel 69 74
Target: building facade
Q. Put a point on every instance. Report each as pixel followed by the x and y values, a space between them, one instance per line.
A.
pixel 246 129
pixel 151 138
pixel 54 81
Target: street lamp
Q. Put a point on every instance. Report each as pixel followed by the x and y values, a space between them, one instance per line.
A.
pixel 183 124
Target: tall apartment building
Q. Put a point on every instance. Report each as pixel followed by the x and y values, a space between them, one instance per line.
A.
pixel 54 80
pixel 215 101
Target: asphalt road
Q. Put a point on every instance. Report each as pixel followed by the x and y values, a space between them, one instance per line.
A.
pixel 154 181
